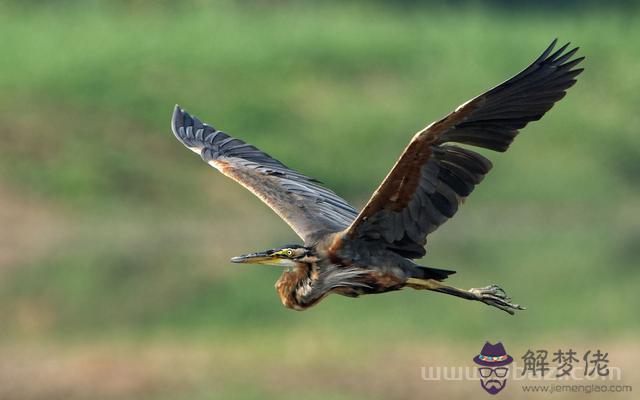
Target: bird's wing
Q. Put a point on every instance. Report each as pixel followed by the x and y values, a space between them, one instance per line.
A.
pixel 432 177
pixel 310 209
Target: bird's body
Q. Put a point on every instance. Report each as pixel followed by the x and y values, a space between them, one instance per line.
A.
pixel 351 253
pixel 330 267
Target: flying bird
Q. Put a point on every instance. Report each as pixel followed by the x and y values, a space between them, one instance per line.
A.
pixel 354 253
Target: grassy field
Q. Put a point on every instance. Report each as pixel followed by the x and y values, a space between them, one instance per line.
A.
pixel 115 240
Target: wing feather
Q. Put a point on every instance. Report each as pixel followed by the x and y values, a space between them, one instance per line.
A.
pixel 432 177
pixel 310 209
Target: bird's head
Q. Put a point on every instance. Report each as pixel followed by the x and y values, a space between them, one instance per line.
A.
pixel 285 256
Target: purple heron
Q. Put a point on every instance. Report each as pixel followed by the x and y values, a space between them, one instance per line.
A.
pixel 353 253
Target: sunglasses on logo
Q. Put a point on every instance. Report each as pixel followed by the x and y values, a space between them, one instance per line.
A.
pixel 499 372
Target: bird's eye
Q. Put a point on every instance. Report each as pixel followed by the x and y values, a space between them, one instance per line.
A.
pixel 289 253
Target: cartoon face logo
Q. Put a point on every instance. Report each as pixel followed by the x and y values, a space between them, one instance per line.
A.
pixel 493 363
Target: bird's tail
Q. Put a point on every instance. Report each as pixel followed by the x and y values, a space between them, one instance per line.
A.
pixel 420 272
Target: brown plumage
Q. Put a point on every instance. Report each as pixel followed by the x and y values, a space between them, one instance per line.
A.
pixel 351 253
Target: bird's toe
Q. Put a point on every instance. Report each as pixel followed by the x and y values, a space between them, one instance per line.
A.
pixel 495 296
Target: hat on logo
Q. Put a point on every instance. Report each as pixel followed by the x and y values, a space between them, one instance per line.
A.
pixel 493 355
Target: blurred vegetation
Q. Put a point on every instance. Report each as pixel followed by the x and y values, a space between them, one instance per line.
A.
pixel 141 230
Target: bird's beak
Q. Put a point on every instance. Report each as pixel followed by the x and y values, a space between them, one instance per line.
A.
pixel 254 258
pixel 264 258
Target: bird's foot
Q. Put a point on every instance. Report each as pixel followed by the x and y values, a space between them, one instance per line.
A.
pixel 495 296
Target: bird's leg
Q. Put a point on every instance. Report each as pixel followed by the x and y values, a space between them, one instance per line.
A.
pixel 492 295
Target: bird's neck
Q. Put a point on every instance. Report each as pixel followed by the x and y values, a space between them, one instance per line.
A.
pixel 296 287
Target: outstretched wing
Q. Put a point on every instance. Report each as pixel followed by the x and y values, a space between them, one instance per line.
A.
pixel 310 209
pixel 432 178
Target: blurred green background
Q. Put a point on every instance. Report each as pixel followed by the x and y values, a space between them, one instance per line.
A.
pixel 115 240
